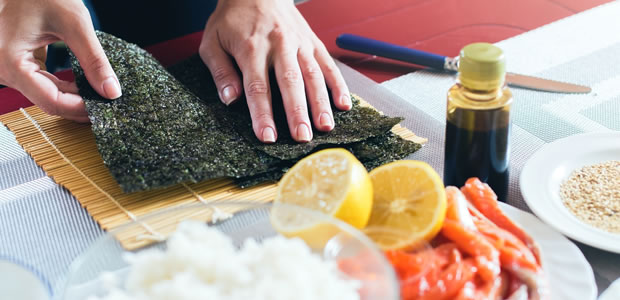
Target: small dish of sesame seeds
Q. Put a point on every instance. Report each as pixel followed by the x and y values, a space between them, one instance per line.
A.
pixel 573 184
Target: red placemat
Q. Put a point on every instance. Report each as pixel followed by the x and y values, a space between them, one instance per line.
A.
pixel 439 26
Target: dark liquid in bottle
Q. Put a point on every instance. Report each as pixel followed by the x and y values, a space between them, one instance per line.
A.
pixel 477 153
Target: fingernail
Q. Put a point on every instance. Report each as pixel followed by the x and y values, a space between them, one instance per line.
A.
pixel 325 120
pixel 303 133
pixel 229 94
pixel 346 101
pixel 112 88
pixel 269 136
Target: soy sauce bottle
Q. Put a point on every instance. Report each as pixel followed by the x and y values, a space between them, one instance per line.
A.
pixel 478 120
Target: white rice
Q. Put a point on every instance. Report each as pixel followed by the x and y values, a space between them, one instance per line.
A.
pixel 202 263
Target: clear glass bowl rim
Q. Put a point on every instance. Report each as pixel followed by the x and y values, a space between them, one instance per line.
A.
pixel 246 206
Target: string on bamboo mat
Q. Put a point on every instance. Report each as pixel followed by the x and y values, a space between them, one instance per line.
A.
pixel 36 125
pixel 198 197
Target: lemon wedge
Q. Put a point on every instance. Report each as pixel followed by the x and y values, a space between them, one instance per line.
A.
pixel 331 181
pixel 409 204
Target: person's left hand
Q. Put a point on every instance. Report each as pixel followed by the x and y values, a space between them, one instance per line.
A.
pixel 258 35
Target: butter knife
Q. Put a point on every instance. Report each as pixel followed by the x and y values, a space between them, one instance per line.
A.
pixel 374 47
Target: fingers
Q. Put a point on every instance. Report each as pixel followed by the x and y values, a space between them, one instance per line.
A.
pixel 82 40
pixel 316 92
pixel 222 69
pixel 52 95
pixel 335 81
pixel 291 84
pixel 297 73
pixel 63 86
pixel 258 96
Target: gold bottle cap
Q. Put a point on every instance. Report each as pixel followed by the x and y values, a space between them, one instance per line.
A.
pixel 482 66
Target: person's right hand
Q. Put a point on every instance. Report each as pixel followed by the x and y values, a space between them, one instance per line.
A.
pixel 26 28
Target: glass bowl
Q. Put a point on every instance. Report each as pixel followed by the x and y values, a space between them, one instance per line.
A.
pixel 357 256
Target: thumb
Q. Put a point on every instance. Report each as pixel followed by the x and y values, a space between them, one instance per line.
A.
pixel 87 49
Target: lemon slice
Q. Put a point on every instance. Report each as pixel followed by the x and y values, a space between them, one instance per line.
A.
pixel 330 181
pixel 409 204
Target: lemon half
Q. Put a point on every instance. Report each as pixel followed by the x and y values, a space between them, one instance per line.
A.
pixel 409 204
pixel 331 181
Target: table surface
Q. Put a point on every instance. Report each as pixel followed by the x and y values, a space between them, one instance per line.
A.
pixel 440 26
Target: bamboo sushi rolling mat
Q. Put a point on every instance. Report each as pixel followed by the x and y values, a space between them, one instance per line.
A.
pixel 67 152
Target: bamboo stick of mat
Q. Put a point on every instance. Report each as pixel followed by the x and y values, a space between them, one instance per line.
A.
pixel 68 154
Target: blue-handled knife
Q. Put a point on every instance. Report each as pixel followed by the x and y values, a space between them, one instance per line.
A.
pixel 374 47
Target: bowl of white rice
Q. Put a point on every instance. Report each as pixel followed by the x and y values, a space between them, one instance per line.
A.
pixel 231 251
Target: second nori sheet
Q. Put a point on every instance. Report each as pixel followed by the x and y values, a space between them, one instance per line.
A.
pixel 158 133
pixel 351 126
pixel 372 152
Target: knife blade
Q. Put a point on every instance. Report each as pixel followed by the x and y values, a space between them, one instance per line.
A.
pixel 379 48
pixel 537 83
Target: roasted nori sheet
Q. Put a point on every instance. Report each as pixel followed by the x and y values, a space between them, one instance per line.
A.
pixel 372 152
pixel 379 150
pixel 159 133
pixel 170 127
pixel 351 126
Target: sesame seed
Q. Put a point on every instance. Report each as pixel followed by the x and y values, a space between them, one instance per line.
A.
pixel 592 194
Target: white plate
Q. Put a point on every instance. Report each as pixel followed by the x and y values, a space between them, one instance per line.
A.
pixel 20 282
pixel 544 172
pixel 569 273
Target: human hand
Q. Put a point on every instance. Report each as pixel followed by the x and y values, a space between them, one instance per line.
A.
pixel 26 28
pixel 258 35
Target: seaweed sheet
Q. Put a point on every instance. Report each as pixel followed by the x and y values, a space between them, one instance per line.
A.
pixel 159 133
pixel 166 130
pixel 356 125
pixel 372 152
pixel 379 150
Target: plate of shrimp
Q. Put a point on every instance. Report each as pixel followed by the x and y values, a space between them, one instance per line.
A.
pixel 491 250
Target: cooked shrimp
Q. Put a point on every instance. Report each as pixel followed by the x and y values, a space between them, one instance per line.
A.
pixel 474 244
pixel 490 290
pixel 417 271
pixel 485 200
pixel 514 257
pixel 511 249
pixel 457 207
pixel 451 281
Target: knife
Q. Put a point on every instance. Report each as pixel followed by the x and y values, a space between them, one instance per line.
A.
pixel 374 47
